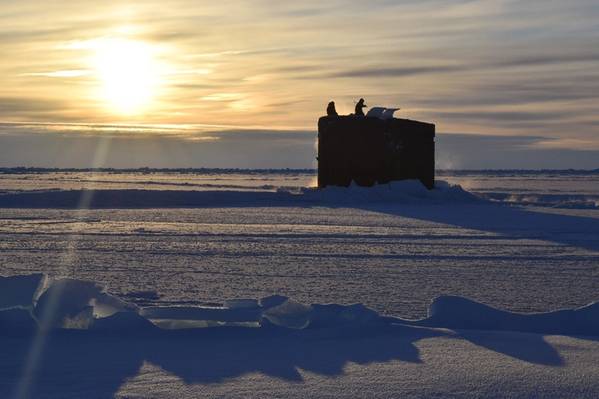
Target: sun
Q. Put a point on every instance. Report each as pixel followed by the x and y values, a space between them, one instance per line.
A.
pixel 128 74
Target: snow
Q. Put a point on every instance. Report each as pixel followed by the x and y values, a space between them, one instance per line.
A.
pixel 402 192
pixel 568 189
pixel 17 321
pixel 461 313
pixel 567 201
pixel 343 316
pixel 406 362
pixel 122 322
pixel 280 291
pixel 222 314
pixel 289 314
pixel 408 191
pixel 301 347
pixel 20 291
pixel 71 303
pixel 85 305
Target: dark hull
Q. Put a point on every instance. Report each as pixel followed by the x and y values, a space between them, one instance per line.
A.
pixel 371 150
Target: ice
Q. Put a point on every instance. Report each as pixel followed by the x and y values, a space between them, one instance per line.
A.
pixel 464 314
pixel 149 295
pixel 120 322
pixel 393 251
pixel 289 314
pixel 405 191
pixel 77 304
pixel 20 291
pixel 292 314
pixel 342 316
pixel 43 188
pixel 272 301
pixel 292 343
pixel 241 303
pixel 223 314
pixel 74 303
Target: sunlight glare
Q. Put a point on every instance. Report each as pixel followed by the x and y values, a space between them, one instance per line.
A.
pixel 129 74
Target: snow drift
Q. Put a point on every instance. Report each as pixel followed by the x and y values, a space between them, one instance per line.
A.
pixel 84 305
pixel 406 191
pixel 403 192
pixel 463 314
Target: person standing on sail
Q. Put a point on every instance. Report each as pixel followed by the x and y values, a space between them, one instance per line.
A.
pixel 359 106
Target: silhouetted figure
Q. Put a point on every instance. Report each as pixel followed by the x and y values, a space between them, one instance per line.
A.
pixel 331 111
pixel 359 106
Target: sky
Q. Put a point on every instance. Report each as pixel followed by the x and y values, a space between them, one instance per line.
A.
pixel 509 84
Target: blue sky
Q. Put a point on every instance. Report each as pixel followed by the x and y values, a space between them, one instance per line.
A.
pixel 243 82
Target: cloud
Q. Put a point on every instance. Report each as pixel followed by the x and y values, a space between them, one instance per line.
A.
pixel 520 91
pixel 468 151
pixel 74 145
pixel 72 73
pixel 523 68
pixel 484 65
pixel 379 72
pixel 137 146
pixel 24 105
pixel 556 57
pixel 510 116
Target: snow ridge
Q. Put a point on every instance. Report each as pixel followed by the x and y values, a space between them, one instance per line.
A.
pixel 28 303
pixel 407 191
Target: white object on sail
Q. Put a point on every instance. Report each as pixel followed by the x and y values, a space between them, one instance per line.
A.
pixel 381 112
pixel 376 112
pixel 388 113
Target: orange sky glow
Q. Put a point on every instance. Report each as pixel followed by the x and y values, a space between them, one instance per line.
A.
pixel 497 67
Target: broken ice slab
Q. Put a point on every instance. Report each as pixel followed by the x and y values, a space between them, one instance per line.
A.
pixel 222 314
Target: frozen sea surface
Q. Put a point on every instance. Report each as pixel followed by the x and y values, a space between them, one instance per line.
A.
pixel 527 242
pixel 393 255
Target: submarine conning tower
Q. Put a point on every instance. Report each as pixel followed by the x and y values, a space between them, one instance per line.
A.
pixel 370 150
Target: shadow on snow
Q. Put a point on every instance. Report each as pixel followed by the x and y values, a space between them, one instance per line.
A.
pixel 82 361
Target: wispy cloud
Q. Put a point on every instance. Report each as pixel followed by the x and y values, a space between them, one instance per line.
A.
pixel 17 105
pixel 493 66
pixel 377 72
pixel 73 73
pixel 72 145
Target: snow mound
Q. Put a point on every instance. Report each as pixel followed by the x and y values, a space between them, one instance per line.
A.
pixel 464 314
pixel 216 314
pixel 85 305
pixel 331 315
pixel 122 322
pixel 70 303
pixel 404 191
pixel 292 314
pixel 289 314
